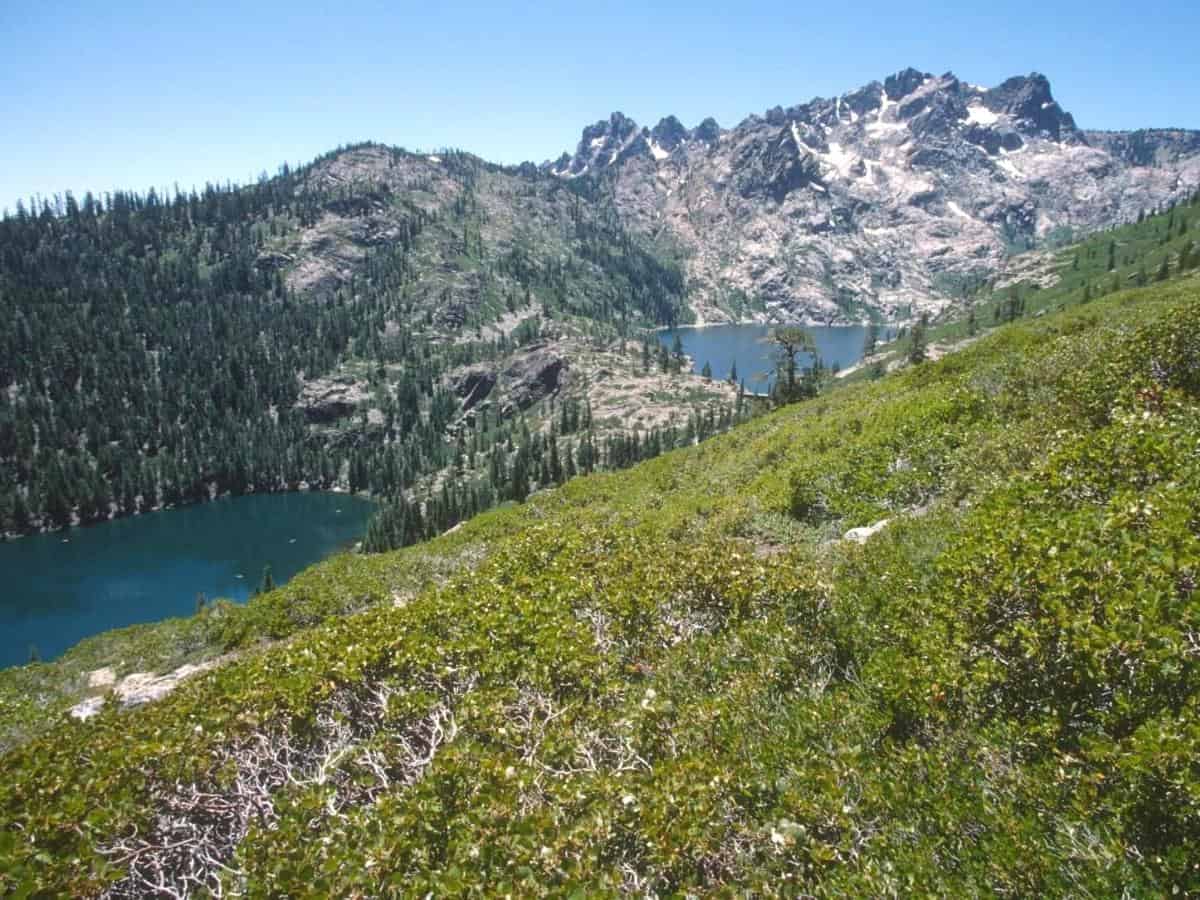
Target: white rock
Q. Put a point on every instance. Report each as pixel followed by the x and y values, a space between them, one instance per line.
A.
pixel 145 687
pixel 100 678
pixel 85 709
pixel 863 534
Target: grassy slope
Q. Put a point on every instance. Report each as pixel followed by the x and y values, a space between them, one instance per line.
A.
pixel 671 678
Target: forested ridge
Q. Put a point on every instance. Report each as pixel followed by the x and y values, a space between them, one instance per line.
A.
pixel 159 344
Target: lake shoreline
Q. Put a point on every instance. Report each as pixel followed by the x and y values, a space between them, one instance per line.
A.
pixel 116 515
pixel 745 353
pixel 142 569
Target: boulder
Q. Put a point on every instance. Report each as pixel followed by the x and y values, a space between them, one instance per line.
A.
pixel 146 687
pixel 85 709
pixel 865 533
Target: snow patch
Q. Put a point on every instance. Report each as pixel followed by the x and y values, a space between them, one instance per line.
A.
pixel 597 142
pixel 433 159
pixel 612 159
pixel 658 152
pixel 840 159
pixel 957 210
pixel 796 136
pixel 1047 104
pixel 981 115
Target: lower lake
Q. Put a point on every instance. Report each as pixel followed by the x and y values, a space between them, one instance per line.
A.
pixel 749 346
pixel 60 587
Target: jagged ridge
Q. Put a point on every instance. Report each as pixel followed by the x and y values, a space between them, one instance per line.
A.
pixel 882 202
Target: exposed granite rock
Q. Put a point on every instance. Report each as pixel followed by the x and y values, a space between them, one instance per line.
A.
pixel 325 400
pixel 881 200
pixel 102 678
pixel 535 373
pixel 146 687
pixel 474 385
pixel 864 533
pixel 85 709
pixel 529 375
pixel 669 133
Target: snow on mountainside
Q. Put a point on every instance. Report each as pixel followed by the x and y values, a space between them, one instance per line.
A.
pixel 884 201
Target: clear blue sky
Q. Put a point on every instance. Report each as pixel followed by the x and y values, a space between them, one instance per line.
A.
pixel 100 95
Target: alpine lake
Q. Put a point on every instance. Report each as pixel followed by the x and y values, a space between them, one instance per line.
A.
pixel 750 348
pixel 60 587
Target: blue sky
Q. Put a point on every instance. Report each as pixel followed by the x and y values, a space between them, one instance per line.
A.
pixel 101 95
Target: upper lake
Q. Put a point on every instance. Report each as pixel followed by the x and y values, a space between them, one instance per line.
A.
pixel 60 587
pixel 750 348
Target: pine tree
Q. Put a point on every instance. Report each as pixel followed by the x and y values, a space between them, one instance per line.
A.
pixel 678 357
pixel 917 350
pixel 871 339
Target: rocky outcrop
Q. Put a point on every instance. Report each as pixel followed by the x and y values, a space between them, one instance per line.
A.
pixel 137 688
pixel 881 201
pixel 516 383
pixel 474 385
pixel 864 533
pixel 146 687
pixel 1154 147
pixel 102 678
pixel 325 400
pixel 535 373
pixel 85 709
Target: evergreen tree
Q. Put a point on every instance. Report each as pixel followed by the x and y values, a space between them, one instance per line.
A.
pixel 871 339
pixel 917 348
pixel 678 357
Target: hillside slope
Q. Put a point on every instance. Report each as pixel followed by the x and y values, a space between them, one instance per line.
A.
pixel 681 679
pixel 310 331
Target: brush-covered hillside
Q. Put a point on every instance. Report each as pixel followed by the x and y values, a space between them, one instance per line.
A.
pixel 683 679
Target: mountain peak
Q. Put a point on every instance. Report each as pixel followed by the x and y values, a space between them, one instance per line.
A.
pixel 1028 99
pixel 904 83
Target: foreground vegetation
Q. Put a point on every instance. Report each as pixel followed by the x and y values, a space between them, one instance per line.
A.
pixel 680 679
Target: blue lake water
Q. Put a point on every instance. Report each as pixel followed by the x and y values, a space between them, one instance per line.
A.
pixel 749 346
pixel 58 588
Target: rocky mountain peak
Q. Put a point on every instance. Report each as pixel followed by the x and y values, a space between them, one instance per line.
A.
pixel 669 133
pixel 904 83
pixel 888 198
pixel 707 131
pixel 1028 100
